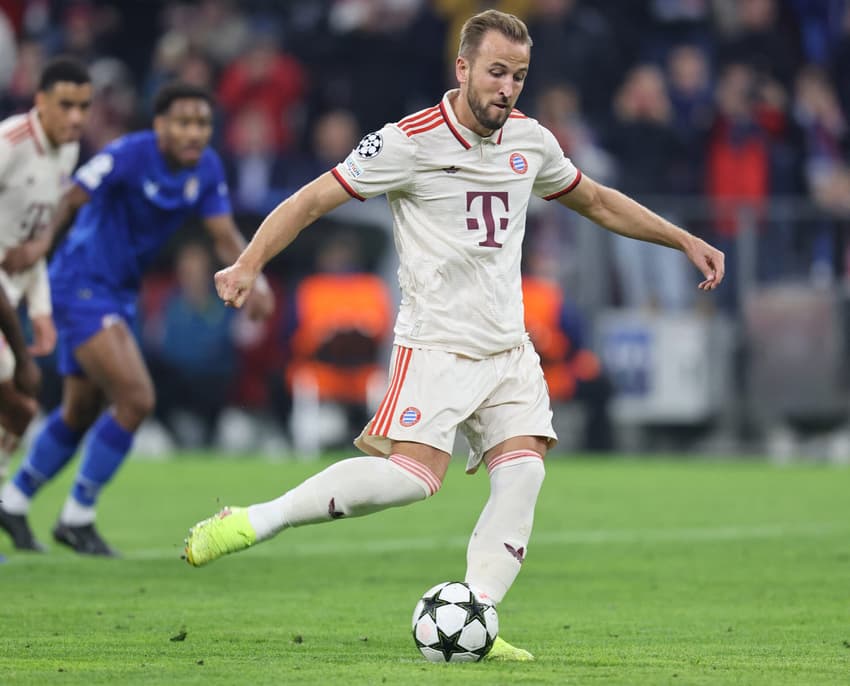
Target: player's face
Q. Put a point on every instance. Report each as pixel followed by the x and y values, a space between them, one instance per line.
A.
pixel 185 130
pixel 492 81
pixel 63 109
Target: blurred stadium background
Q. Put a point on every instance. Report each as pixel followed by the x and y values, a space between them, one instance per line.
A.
pixel 729 117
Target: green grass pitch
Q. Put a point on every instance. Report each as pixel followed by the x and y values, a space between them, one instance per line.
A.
pixel 639 572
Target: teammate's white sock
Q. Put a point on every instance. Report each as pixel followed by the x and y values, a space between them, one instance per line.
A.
pixel 75 513
pixel 499 541
pixel 349 488
pixel 13 500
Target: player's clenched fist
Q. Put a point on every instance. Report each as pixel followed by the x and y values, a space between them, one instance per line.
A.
pixel 234 284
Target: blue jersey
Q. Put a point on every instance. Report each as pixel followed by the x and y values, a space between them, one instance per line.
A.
pixel 136 203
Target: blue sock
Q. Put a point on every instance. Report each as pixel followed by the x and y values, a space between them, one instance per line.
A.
pixel 106 448
pixel 51 450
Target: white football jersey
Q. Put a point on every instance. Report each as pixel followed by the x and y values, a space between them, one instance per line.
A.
pixel 458 202
pixel 33 176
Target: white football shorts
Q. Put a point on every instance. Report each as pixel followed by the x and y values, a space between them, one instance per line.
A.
pixel 432 393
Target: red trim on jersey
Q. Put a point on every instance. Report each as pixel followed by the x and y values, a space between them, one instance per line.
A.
pixel 419 470
pixel 415 119
pixel 567 189
pixel 428 127
pixel 20 133
pixel 384 415
pixel 424 123
pixel 457 135
pixel 505 458
pixel 516 114
pixel 499 139
pixel 342 182
pixel 35 140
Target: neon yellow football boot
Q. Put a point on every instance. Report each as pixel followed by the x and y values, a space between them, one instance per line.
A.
pixel 225 532
pixel 502 651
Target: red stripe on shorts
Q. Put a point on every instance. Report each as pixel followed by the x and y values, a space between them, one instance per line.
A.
pixel 383 417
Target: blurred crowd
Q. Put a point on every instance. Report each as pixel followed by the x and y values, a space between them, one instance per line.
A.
pixel 711 111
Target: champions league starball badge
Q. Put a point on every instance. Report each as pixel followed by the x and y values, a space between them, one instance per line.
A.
pixel 370 145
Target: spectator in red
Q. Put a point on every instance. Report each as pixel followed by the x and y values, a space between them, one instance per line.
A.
pixel 269 81
pixel 750 157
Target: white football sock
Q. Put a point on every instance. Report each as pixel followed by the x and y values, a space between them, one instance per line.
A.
pixel 13 500
pixel 75 513
pixel 349 488
pixel 499 541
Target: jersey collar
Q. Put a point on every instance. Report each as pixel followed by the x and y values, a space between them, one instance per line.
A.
pixel 38 135
pixel 466 137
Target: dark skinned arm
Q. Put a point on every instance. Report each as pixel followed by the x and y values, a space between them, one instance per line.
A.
pixel 27 374
pixel 28 253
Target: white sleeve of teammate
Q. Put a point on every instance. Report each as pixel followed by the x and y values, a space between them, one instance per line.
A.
pixel 558 175
pixel 382 162
pixel 37 292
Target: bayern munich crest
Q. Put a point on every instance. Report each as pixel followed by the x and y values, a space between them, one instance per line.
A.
pixel 410 416
pixel 518 163
pixel 370 145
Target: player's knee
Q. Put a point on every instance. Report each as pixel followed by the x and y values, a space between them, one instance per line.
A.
pixel 29 407
pixel 136 404
pixel 18 412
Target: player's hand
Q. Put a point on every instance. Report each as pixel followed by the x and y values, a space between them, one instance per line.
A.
pixel 234 284
pixel 44 336
pixel 709 260
pixel 25 255
pixel 27 376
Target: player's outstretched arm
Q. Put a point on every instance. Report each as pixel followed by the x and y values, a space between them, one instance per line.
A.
pixel 276 232
pixel 619 213
pixel 24 256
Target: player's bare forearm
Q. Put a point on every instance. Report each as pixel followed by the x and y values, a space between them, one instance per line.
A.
pixel 228 243
pixel 227 240
pixel 619 213
pixel 289 218
pixel 24 256
pixel 66 211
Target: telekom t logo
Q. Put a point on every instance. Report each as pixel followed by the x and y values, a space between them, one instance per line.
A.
pixel 487 213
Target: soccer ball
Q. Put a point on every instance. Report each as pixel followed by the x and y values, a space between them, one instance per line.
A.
pixel 453 624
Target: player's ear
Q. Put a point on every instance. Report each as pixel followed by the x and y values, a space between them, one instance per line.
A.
pixel 40 100
pixel 159 124
pixel 462 67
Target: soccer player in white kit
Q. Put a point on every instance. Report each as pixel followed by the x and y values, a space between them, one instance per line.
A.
pixel 38 152
pixel 458 177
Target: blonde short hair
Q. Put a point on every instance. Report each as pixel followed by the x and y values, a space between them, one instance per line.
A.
pixel 472 33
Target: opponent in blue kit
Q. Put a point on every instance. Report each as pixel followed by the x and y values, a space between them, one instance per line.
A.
pixel 125 204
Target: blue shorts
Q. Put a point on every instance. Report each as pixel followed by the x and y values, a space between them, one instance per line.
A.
pixel 80 310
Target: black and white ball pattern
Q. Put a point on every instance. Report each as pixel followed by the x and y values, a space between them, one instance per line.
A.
pixel 452 624
pixel 370 145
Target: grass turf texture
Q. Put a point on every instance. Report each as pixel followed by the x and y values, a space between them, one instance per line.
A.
pixel 641 572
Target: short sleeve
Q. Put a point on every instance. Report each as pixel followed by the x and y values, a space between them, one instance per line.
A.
pixel 558 175
pixel 106 169
pixel 381 162
pixel 215 196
